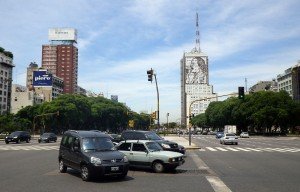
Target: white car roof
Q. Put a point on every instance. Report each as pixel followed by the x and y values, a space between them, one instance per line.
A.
pixel 137 141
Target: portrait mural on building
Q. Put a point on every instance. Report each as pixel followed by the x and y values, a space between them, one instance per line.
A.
pixel 196 71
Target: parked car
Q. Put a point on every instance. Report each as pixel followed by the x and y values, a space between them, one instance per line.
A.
pixel 143 153
pixel 47 137
pixel 115 138
pixel 18 136
pixel 150 135
pixel 219 134
pixel 244 134
pixel 229 138
pixel 92 153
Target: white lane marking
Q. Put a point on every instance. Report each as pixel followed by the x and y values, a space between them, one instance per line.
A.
pixel 251 149
pixel 221 149
pixel 242 149
pixel 232 149
pixel 217 184
pixel 211 149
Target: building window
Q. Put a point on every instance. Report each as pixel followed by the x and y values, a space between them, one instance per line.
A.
pixel 16 99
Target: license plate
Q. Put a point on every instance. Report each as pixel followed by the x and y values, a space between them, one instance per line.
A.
pixel 114 168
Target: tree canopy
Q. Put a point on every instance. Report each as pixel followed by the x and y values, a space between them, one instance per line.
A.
pixel 259 112
pixel 76 112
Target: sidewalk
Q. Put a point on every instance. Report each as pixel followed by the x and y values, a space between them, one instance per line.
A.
pixel 182 141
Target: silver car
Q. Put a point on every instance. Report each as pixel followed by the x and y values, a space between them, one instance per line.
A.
pixel 144 153
pixel 229 138
pixel 244 135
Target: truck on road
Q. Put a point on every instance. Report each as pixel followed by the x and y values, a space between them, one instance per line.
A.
pixel 230 129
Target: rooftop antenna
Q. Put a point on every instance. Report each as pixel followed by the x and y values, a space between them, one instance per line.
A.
pixel 197 34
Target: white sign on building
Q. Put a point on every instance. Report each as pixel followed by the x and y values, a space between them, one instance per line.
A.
pixel 62 34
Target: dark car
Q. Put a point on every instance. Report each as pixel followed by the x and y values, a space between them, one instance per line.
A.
pixel 219 134
pixel 18 136
pixel 150 135
pixel 92 153
pixel 47 137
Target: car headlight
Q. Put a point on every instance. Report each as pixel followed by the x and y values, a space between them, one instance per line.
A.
pixel 95 160
pixel 165 145
pixel 172 160
pixel 15 137
pixel 125 159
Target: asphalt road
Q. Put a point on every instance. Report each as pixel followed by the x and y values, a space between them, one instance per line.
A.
pixel 256 164
pixel 34 167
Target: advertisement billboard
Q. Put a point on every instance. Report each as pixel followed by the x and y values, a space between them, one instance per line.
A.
pixel 63 34
pixel 42 79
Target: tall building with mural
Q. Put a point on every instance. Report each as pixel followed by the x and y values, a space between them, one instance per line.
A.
pixel 196 92
pixel 60 57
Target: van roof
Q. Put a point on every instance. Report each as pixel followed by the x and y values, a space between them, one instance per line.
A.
pixel 83 133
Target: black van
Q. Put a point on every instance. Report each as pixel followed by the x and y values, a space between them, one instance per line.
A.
pixel 92 153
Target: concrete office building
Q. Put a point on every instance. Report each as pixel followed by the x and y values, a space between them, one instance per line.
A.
pixel 60 57
pixel 290 81
pixel 6 70
pixel 21 97
pixel 264 86
pixel 47 92
pixel 195 82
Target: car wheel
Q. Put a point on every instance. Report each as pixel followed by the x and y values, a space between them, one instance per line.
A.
pixel 158 167
pixel 6 142
pixel 27 140
pixel 85 173
pixel 62 167
pixel 236 143
pixel 18 141
pixel 39 141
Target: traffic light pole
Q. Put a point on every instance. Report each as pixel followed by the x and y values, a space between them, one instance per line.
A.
pixel 157 101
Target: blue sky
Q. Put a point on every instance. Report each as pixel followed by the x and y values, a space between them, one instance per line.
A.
pixel 119 40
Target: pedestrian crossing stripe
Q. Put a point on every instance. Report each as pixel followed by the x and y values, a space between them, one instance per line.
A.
pixel 28 148
pixel 248 149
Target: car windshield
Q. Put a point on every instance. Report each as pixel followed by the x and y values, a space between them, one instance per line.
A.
pixel 13 134
pixel 153 136
pixel 153 146
pixel 46 134
pixel 97 144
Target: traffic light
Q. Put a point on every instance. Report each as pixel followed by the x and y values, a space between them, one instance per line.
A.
pixel 150 74
pixel 241 93
pixel 153 115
